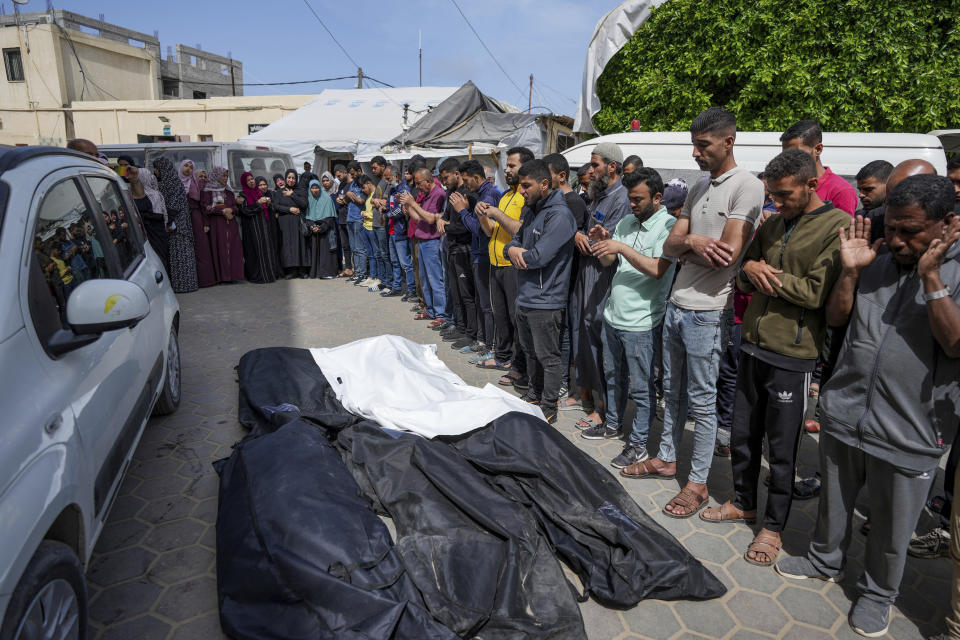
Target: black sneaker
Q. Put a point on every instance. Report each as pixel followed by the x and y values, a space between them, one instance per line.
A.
pixel 451 336
pixel 521 384
pixel 461 343
pixel 442 326
pixel 551 418
pixel 390 293
pixel 600 432
pixel 630 454
pixel 406 298
pixel 530 398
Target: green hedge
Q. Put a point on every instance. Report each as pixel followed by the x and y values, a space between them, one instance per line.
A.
pixel 859 65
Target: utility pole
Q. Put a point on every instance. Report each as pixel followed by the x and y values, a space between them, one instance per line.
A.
pixel 359 77
pixel 233 82
pixel 530 97
pixel 403 135
pixel 420 53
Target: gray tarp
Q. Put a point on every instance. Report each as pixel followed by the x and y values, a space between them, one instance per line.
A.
pixel 461 105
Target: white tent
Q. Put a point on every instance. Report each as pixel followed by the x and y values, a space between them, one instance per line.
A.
pixel 348 121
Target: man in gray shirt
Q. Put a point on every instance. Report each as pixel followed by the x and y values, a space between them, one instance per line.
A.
pixel 715 226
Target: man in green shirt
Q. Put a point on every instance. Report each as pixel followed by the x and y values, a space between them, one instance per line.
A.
pixel 635 307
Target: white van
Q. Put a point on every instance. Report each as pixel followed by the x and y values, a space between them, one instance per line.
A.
pixel 236 156
pixel 671 153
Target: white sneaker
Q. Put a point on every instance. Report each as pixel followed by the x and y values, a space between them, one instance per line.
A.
pixel 367 282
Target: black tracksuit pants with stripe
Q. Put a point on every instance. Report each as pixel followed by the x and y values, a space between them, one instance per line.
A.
pixel 770 401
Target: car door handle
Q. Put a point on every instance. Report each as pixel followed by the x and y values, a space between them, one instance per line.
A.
pixel 158 276
pixel 53 424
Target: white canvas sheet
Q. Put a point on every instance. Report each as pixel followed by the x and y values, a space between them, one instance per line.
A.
pixel 403 385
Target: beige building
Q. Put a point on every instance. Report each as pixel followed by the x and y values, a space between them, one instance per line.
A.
pixel 54 59
pixel 217 119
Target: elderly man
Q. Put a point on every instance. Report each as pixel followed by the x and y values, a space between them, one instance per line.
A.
pixel 893 395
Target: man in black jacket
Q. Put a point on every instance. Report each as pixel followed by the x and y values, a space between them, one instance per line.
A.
pixel 542 252
pixel 459 275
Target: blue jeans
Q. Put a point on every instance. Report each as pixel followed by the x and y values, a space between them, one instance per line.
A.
pixel 431 278
pixel 381 244
pixel 355 230
pixel 402 261
pixel 692 343
pixel 628 368
pixel 370 247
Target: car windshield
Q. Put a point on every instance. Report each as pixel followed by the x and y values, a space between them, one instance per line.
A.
pixel 259 162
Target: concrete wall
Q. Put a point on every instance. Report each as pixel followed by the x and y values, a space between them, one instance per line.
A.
pixel 226 119
pixel 197 70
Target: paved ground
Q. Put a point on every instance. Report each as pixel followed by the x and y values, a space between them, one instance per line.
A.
pixel 154 573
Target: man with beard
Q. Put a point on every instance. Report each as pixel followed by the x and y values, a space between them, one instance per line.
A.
pixel 346 255
pixel 806 135
pixel 638 295
pixel 459 267
pixel 542 252
pixel 872 185
pixel 789 268
pixel 583 181
pixel 715 226
pixel 608 206
pixel 500 224
pixel 893 396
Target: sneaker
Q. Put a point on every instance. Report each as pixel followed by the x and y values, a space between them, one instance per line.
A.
pixel 374 286
pixel 935 544
pixel 470 348
pixel 521 384
pixel 869 618
pixel 359 281
pixel 551 418
pixel 480 357
pixel 564 394
pixel 390 293
pixel 530 398
pixel 721 450
pixel 630 454
pixel 382 286
pixel 463 343
pixel 800 568
pixel 600 432
pixel 451 336
pixel 385 292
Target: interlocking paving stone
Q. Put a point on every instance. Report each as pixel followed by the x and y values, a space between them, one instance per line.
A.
pixel 162 516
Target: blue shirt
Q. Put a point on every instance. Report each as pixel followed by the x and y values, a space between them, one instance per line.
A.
pixel 353 209
pixel 395 211
pixel 77 263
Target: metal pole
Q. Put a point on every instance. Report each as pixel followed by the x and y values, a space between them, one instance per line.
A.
pixel 359 77
pixel 420 53
pixel 530 97
pixel 233 83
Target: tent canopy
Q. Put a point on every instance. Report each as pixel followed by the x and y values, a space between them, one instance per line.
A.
pixel 348 120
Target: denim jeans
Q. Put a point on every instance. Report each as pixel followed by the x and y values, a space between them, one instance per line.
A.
pixel 692 343
pixel 381 244
pixel 401 259
pixel 370 247
pixel 628 367
pixel 431 277
pixel 359 247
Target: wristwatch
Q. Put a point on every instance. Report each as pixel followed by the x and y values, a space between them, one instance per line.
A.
pixel 942 293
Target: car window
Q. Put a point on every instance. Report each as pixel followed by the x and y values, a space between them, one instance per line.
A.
pixel 202 158
pixel 258 162
pixel 121 225
pixel 66 250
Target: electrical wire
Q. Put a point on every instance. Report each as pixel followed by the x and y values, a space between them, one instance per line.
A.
pixel 268 84
pixel 366 77
pixel 484 45
pixel 559 93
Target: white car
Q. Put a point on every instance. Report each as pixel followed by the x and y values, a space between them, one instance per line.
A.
pixel 88 349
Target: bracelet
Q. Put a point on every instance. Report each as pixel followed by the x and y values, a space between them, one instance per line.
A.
pixel 942 293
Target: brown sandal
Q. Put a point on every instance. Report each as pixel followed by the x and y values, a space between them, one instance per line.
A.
pixel 727 513
pixel 643 469
pixel 770 543
pixel 686 500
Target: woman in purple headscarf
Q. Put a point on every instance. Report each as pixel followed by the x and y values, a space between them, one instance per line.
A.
pixel 220 207
pixel 206 276
pixel 259 248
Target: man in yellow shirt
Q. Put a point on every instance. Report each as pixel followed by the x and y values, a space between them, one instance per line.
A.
pixel 501 224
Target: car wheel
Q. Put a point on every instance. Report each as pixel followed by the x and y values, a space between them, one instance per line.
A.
pixel 169 398
pixel 50 601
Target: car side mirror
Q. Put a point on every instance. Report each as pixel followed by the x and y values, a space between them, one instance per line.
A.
pixel 97 306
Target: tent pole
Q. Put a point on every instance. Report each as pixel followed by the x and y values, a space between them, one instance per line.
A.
pixel 530 96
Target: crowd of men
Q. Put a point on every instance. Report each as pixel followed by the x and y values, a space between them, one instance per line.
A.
pixel 749 299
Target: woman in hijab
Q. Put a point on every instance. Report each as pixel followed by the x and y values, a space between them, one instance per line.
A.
pixel 322 221
pixel 273 229
pixel 183 262
pixel 220 206
pixel 257 243
pixel 330 184
pixel 206 276
pixel 155 219
pixel 290 203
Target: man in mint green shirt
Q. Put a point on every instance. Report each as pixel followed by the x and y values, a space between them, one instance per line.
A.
pixel 638 297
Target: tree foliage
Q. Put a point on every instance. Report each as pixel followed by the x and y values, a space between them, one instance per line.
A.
pixel 854 65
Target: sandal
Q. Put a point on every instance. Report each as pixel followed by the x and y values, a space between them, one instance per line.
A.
pixel 686 500
pixel 807 488
pixel 646 470
pixel 422 316
pixel 585 423
pixel 727 513
pixel 563 406
pixel 492 363
pixel 507 380
pixel 771 542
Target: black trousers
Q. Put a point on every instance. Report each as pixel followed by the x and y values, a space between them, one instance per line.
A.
pixel 345 255
pixel 538 331
pixel 462 289
pixel 727 384
pixel 770 401
pixel 503 300
pixel 481 281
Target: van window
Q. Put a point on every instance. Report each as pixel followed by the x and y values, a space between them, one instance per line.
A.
pixel 113 154
pixel 258 162
pixel 202 158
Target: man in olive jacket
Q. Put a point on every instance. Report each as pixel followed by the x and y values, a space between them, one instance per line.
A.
pixel 790 267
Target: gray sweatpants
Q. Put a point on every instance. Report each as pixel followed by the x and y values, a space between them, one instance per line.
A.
pixel 896 498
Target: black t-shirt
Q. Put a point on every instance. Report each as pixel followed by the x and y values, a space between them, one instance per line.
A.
pixel 342 208
pixel 578 208
pixel 457 232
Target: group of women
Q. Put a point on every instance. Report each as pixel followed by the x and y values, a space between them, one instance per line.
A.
pixel 214 234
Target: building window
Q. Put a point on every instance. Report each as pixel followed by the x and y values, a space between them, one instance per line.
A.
pixel 14 65
pixel 199 95
pixel 203 137
pixel 171 88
